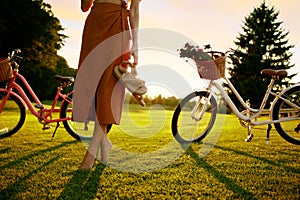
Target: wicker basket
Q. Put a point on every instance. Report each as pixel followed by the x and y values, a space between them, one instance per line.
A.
pixel 5 69
pixel 212 69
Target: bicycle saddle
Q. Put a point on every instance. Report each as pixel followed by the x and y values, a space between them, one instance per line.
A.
pixel 64 78
pixel 272 72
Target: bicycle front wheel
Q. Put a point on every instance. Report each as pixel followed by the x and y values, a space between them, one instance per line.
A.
pixel 78 130
pixel 12 115
pixel 194 117
pixel 288 130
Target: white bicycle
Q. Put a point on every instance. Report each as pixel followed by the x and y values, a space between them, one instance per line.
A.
pixel 194 117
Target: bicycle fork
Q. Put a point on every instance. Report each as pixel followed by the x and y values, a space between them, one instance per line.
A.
pixel 204 101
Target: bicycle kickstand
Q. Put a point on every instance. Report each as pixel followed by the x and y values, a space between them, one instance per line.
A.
pixel 268 133
pixel 57 125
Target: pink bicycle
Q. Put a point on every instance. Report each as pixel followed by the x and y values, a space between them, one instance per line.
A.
pixel 14 102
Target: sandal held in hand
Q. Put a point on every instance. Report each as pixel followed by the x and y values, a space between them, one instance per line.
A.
pixel 131 82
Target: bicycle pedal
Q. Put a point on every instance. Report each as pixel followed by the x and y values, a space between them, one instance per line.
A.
pixel 46 127
pixel 39 106
pixel 249 138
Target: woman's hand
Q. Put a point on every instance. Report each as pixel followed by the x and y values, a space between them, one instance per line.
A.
pixel 134 53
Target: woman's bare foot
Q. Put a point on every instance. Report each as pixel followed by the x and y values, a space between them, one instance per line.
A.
pixel 88 161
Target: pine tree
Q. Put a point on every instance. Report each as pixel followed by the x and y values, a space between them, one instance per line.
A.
pixel 262 45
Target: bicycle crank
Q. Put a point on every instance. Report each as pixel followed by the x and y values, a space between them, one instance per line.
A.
pixel 250 135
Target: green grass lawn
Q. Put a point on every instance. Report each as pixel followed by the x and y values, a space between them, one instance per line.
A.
pixel 146 163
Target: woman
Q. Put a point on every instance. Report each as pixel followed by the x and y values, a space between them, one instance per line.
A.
pixel 105 43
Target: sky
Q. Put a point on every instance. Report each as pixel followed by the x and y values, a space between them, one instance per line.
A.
pixel 215 22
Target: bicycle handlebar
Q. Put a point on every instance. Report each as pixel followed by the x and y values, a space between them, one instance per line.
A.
pixel 220 52
pixel 13 55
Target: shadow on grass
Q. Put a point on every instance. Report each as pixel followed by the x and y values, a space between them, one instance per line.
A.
pixel 239 191
pixel 19 186
pixel 295 151
pixel 287 168
pixel 84 184
pixel 3 151
pixel 37 153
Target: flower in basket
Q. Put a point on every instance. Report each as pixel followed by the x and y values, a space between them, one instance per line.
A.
pixel 194 52
pixel 209 66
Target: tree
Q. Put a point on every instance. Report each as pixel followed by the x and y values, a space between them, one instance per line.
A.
pixel 31 26
pixel 169 103
pixel 262 44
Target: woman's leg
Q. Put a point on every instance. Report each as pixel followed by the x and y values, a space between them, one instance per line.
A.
pixel 105 145
pixel 90 155
pixel 99 138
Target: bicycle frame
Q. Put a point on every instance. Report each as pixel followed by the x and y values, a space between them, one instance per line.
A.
pixel 44 114
pixel 257 112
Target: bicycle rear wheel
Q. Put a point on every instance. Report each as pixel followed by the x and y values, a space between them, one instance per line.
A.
pixel 12 115
pixel 187 125
pixel 78 130
pixel 289 130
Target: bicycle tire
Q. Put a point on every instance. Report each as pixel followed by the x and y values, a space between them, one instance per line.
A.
pixel 290 130
pixel 185 129
pixel 12 116
pixel 78 130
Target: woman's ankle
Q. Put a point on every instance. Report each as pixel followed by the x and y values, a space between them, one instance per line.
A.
pixel 105 146
pixel 88 161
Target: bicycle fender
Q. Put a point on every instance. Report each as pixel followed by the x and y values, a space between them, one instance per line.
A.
pixel 16 95
pixel 281 93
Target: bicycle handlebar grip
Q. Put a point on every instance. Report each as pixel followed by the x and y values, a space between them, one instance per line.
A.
pixel 17 50
pixel 14 52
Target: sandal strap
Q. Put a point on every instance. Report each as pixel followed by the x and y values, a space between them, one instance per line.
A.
pixel 133 84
